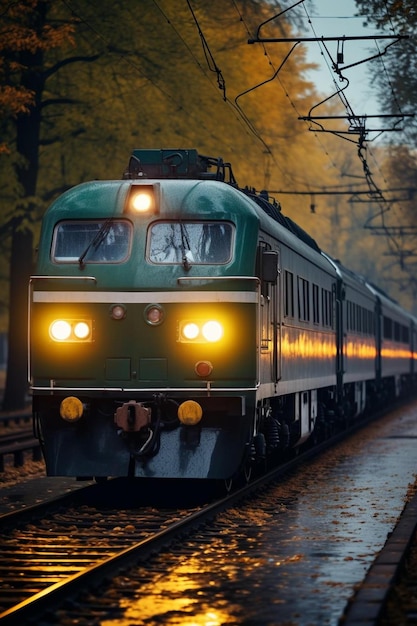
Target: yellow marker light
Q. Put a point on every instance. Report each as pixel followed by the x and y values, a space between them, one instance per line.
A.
pixel 190 413
pixel 212 331
pixel 60 330
pixel 142 201
pixel 71 409
pixel 190 330
pixel 81 330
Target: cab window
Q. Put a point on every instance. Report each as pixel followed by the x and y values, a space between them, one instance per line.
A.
pixel 200 243
pixel 95 241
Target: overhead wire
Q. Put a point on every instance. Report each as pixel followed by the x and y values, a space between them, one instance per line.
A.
pixel 221 83
pixel 375 193
pixel 128 60
pixel 280 81
pixel 213 67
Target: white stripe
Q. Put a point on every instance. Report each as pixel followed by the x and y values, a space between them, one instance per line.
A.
pixel 128 390
pixel 147 297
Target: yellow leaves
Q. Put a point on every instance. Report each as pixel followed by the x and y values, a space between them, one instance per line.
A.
pixel 24 28
pixel 16 100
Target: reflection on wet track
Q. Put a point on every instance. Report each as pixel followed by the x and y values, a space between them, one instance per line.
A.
pixel 294 555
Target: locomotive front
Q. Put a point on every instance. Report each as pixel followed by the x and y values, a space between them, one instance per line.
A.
pixel 143 327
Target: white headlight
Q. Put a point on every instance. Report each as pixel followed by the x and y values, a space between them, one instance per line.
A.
pixel 190 330
pixel 212 331
pixel 142 201
pixel 81 330
pixel 71 331
pixel 60 330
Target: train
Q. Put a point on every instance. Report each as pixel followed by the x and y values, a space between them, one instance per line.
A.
pixel 182 327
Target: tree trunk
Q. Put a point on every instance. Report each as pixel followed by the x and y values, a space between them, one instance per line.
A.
pixel 15 396
pixel 27 143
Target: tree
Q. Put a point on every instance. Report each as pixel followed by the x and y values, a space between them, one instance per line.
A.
pixel 92 81
pixel 396 77
pixel 396 71
pixel 25 35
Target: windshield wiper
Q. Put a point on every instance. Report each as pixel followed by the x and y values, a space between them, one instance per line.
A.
pixel 185 247
pixel 96 240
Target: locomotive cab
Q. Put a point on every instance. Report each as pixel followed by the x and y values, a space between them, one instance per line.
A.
pixel 144 324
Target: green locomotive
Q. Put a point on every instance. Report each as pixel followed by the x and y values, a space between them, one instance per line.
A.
pixel 180 327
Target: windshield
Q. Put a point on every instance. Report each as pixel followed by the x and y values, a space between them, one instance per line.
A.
pixel 100 241
pixel 203 243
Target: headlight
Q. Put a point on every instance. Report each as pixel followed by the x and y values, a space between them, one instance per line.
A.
pixel 142 199
pixel 142 202
pixel 200 331
pixel 71 330
pixel 81 330
pixel 190 331
pixel 60 330
pixel 212 331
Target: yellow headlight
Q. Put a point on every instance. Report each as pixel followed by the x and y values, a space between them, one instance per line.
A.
pixel 71 330
pixel 60 330
pixel 190 330
pixel 81 330
pixel 212 331
pixel 200 331
pixel 142 201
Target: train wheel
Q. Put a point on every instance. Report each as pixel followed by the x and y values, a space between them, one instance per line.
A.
pixel 228 484
pixel 247 472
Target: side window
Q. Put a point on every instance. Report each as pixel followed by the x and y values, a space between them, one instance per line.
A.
pixel 289 294
pixel 327 308
pixel 303 299
pixel 387 327
pixel 316 305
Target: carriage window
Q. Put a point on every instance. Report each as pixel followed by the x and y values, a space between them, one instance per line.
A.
pixel 289 294
pixel 388 323
pixel 98 241
pixel 303 299
pixel 327 310
pixel 200 243
pixel 316 305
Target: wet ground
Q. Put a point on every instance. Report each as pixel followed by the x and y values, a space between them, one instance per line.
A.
pixel 291 557
pixel 294 556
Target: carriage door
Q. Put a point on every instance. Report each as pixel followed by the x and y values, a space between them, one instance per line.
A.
pixel 269 314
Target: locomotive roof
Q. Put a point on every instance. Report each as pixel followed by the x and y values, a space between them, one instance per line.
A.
pixel 188 164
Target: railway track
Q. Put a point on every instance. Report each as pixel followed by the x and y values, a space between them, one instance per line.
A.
pixel 61 550
pixel 54 551
pixel 21 416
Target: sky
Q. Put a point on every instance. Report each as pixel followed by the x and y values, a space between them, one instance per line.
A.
pixel 330 18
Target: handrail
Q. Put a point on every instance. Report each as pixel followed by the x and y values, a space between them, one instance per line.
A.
pixel 195 278
pixel 46 277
